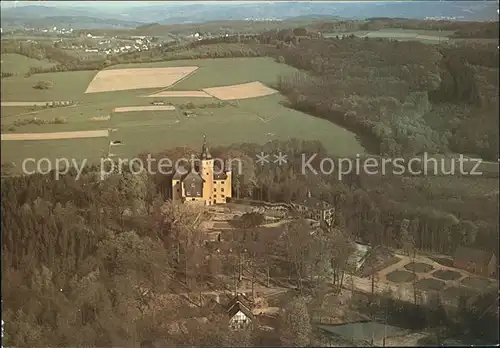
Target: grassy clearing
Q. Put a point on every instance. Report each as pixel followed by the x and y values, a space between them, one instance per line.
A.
pixel 476 283
pixel 257 120
pixel 18 64
pixel 430 284
pixel 446 275
pixel 400 277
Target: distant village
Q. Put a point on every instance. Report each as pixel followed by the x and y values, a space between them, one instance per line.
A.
pixel 114 45
pixel 87 42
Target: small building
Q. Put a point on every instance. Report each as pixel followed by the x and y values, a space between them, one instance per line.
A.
pixel 476 261
pixel 358 257
pixel 240 315
pixel 316 209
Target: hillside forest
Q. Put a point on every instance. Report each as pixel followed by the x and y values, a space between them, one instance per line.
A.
pixel 78 254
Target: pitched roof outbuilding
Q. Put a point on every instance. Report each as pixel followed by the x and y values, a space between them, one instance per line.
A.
pixel 473 255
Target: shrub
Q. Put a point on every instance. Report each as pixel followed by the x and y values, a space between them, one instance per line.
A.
pixel 59 120
pixel 43 85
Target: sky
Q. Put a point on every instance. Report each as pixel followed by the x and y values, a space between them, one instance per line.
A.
pixel 116 4
pixel 123 4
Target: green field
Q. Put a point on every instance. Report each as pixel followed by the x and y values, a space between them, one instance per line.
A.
pixel 256 120
pixel 18 64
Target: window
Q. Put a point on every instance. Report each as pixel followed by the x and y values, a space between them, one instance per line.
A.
pixel 215 190
pixel 222 182
pixel 178 190
pixel 222 189
pixel 222 196
pixel 192 199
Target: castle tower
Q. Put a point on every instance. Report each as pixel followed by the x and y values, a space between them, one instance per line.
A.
pixel 229 180
pixel 207 173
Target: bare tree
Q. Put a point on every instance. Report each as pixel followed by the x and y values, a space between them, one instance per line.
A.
pixel 297 240
pixel 295 325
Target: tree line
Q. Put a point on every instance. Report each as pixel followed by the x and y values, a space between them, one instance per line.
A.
pixel 461 29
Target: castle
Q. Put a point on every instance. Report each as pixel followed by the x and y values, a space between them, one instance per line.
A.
pixel 208 185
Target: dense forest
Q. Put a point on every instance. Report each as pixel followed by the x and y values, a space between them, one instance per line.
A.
pixel 409 96
pixel 77 254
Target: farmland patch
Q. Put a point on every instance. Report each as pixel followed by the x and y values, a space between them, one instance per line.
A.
pixel 137 78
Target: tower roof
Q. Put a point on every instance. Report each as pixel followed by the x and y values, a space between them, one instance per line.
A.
pixel 205 153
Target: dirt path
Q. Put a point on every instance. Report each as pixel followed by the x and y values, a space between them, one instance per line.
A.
pixel 188 94
pixel 145 108
pixel 33 103
pixel 55 135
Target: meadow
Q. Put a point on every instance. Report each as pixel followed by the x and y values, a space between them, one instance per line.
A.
pixel 426 36
pixel 257 120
